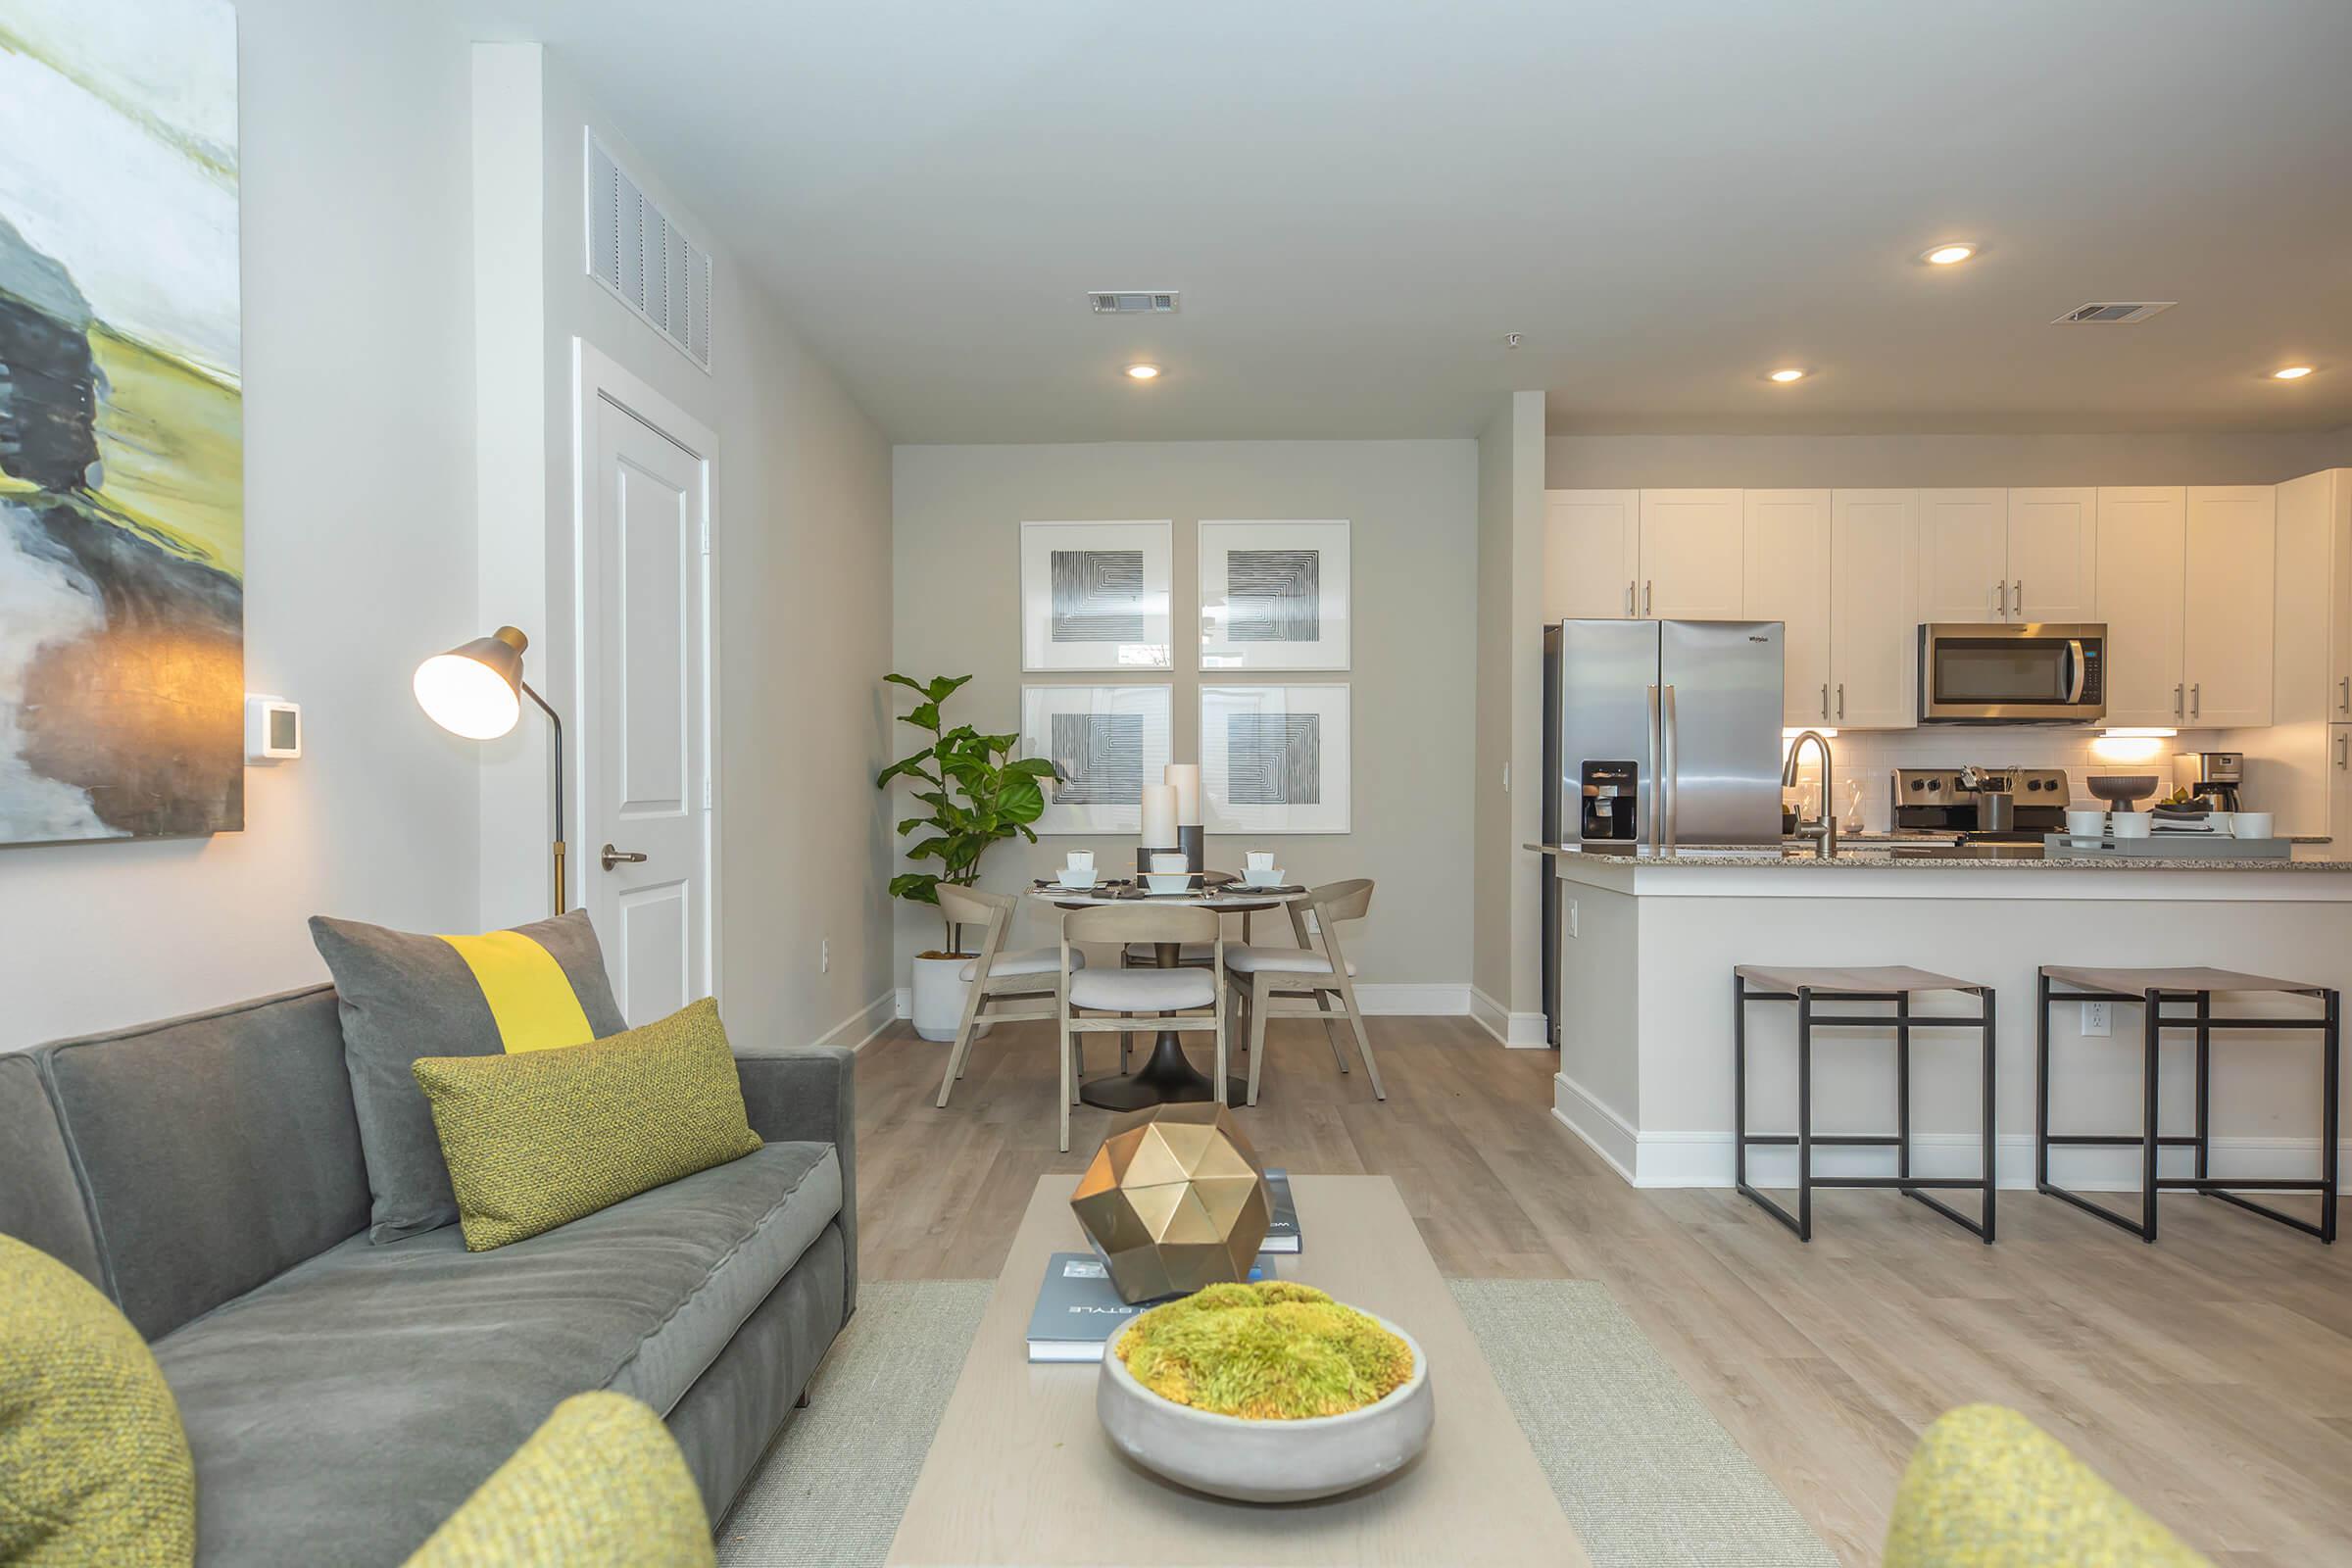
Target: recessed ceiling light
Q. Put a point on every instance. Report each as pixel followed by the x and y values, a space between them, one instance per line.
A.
pixel 1789 375
pixel 1142 373
pixel 1948 255
pixel 2294 373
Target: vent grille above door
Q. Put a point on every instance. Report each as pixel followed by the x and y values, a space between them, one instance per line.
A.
pixel 640 255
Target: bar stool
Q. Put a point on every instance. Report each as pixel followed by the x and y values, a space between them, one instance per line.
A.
pixel 2150 988
pixel 1893 982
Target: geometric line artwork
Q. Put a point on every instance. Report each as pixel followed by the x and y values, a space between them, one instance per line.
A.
pixel 1274 758
pixel 1097 595
pixel 1101 757
pixel 1273 596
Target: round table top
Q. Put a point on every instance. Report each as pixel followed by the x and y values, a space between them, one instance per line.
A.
pixel 1224 896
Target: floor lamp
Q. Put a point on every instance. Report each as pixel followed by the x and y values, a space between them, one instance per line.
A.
pixel 476 690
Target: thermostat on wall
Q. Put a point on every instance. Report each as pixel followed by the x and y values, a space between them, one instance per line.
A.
pixel 273 729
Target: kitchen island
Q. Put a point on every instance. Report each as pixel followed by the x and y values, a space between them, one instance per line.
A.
pixel 1647 950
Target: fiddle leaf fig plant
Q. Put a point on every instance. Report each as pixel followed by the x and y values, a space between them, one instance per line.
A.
pixel 975 790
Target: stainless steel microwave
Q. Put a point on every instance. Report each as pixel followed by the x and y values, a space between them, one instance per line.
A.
pixel 2008 673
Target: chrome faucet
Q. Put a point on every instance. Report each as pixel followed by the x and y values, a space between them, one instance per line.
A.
pixel 1822 833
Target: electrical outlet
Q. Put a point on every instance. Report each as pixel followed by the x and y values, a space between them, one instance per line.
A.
pixel 825 956
pixel 1507 778
pixel 2096 1020
pixel 1572 917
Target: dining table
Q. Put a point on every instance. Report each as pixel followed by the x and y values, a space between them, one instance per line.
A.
pixel 1167 1076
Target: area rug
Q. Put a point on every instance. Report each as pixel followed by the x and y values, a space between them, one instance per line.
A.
pixel 1646 1475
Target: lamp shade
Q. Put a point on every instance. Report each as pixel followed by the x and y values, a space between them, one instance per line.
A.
pixel 475 689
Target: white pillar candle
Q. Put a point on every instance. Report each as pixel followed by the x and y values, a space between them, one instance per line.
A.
pixel 1160 816
pixel 1185 779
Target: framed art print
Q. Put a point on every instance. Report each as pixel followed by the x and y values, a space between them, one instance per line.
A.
pixel 1274 596
pixel 1105 741
pixel 1095 595
pixel 1275 758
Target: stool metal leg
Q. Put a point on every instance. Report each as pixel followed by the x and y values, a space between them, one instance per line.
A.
pixel 1805 1114
pixel 2330 1152
pixel 1902 1082
pixel 2041 1082
pixel 1989 1183
pixel 2204 1085
pixel 2147 1134
pixel 1740 1081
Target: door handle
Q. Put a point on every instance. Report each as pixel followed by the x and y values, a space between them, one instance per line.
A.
pixel 1668 767
pixel 612 856
pixel 2196 700
pixel 1840 714
pixel 1658 746
pixel 2074 654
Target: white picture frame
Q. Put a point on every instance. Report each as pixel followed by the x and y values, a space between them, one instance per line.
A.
pixel 1108 741
pixel 1276 759
pixel 1096 596
pixel 1274 595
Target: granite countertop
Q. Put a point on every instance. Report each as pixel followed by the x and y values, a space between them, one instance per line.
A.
pixel 1876 857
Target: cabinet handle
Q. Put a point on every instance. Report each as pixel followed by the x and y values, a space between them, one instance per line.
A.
pixel 1825 702
pixel 2196 700
pixel 2343 696
pixel 1841 698
pixel 1629 598
pixel 2000 601
pixel 2340 750
pixel 2017 598
pixel 2177 713
pixel 1646 587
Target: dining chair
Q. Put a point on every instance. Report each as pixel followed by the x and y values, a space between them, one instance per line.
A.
pixel 1265 976
pixel 1145 999
pixel 1031 980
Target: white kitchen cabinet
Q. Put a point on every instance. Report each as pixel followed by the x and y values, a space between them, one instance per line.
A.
pixel 2053 554
pixel 1874 609
pixel 1692 554
pixel 2142 593
pixel 2229 621
pixel 1788 564
pixel 1963 555
pixel 2338 824
pixel 1591 554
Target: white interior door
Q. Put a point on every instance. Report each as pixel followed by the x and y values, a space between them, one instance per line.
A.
pixel 646 709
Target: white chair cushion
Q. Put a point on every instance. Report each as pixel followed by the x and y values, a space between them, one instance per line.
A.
pixel 1142 990
pixel 1245 960
pixel 1035 960
pixel 1192 952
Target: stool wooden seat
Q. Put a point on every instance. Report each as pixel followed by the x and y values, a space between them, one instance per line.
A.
pixel 2150 990
pixel 1876 983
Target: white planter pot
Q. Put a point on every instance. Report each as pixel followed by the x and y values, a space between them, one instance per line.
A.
pixel 938 997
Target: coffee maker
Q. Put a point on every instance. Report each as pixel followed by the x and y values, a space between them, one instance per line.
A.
pixel 2212 776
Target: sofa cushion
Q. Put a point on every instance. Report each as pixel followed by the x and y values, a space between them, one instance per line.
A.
pixel 405 997
pixel 376 1386
pixel 538 1140
pixel 40 1202
pixel 219 1150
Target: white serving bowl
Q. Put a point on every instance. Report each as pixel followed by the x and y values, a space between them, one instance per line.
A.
pixel 1266 1461
pixel 1165 882
pixel 1268 877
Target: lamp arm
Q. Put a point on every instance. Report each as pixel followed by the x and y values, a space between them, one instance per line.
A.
pixel 555 724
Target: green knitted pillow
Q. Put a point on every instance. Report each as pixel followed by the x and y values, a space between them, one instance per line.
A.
pixel 94 1466
pixel 539 1140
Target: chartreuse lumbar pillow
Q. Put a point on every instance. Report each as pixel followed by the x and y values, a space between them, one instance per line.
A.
pixel 601 1485
pixel 537 987
pixel 94 1466
pixel 538 1140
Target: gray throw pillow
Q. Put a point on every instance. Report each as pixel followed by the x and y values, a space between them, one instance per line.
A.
pixel 402 996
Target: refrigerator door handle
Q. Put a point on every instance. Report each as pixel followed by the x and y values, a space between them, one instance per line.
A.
pixel 1668 765
pixel 1658 802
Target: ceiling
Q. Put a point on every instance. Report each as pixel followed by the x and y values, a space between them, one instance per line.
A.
pixel 1358 201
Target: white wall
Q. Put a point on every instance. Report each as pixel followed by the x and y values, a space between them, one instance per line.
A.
pixel 1509 741
pixel 1413 509
pixel 801 527
pixel 359 517
pixel 1897 462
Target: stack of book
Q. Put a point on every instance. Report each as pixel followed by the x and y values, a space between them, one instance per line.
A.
pixel 1078 1310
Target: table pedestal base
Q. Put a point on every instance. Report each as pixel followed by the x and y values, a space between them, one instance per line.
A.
pixel 1166 1079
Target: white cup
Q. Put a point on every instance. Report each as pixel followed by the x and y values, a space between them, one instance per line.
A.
pixel 2085 822
pixel 1169 864
pixel 1079 860
pixel 2132 824
pixel 1258 860
pixel 1262 876
pixel 2251 824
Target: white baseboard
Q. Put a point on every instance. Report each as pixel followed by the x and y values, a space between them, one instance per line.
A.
pixel 1520 1031
pixel 865 1023
pixel 1665 1158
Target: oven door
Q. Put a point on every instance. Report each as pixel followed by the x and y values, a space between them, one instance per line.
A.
pixel 1995 673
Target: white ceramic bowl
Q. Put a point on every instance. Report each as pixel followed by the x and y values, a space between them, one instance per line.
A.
pixel 2252 825
pixel 1162 882
pixel 1078 881
pixel 1267 1461
pixel 2131 824
pixel 1267 877
pixel 2086 824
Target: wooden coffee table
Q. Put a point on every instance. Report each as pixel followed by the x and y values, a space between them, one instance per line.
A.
pixel 1020 1471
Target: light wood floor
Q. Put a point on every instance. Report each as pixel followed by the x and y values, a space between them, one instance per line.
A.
pixel 2209 1376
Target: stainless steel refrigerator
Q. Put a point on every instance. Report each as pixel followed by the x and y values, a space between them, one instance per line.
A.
pixel 1656 734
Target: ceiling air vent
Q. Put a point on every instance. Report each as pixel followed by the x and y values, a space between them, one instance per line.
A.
pixel 640 255
pixel 1134 302
pixel 2113 314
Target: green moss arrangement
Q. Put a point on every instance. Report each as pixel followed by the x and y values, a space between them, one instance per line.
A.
pixel 1271 1351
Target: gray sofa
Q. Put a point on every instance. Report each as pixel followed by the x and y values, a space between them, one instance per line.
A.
pixel 342 1398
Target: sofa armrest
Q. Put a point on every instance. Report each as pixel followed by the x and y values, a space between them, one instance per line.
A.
pixel 811 1097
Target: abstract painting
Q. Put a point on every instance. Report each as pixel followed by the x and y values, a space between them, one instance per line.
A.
pixel 1095 595
pixel 1275 758
pixel 1104 742
pixel 121 427
pixel 1274 596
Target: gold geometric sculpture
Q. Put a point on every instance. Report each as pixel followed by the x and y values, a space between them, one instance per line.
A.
pixel 1175 1199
